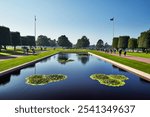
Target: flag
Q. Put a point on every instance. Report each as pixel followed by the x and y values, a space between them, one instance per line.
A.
pixel 112 19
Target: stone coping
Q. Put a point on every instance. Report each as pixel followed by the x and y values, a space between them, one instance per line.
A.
pixel 139 73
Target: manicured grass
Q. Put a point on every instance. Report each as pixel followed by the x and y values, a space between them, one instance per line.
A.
pixel 18 61
pixel 44 79
pixel 145 67
pixel 144 55
pixel 110 80
pixel 7 64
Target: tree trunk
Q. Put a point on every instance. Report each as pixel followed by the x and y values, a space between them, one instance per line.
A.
pixel 14 48
pixel 5 47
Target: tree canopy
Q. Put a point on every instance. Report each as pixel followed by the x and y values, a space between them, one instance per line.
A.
pixel 115 42
pixel 144 40
pixel 100 44
pixel 4 36
pixel 64 42
pixel 15 37
pixel 83 42
pixel 123 42
pixel 132 43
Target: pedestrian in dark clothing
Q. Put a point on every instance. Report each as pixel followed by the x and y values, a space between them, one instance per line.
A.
pixel 125 52
pixel 120 52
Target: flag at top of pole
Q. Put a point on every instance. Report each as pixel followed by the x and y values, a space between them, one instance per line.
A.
pixel 112 19
pixel 35 18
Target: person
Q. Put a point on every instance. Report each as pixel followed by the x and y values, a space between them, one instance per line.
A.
pixel 120 52
pixel 125 52
pixel 33 50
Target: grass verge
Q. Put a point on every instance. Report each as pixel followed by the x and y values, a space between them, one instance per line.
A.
pixel 145 67
pixel 7 64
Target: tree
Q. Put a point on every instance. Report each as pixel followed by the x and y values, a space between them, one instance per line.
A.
pixel 83 42
pixel 64 42
pixel 15 37
pixel 132 43
pixel 144 40
pixel 115 42
pixel 31 41
pixel 42 41
pixel 123 42
pixel 24 41
pixel 52 43
pixel 100 44
pixel 4 37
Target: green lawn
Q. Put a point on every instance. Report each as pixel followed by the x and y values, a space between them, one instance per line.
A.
pixel 132 63
pixel 18 61
pixel 21 60
pixel 144 55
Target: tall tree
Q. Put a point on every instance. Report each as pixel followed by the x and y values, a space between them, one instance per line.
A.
pixel 31 41
pixel 15 37
pixel 100 44
pixel 64 42
pixel 83 42
pixel 144 40
pixel 4 37
pixel 123 42
pixel 52 43
pixel 24 41
pixel 42 41
pixel 132 43
pixel 115 42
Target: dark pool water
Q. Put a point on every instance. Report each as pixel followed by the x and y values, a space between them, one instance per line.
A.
pixel 78 85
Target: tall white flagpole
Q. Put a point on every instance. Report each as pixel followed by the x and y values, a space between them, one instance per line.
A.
pixel 35 27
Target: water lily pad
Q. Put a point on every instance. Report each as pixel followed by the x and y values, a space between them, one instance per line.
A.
pixel 110 80
pixel 44 79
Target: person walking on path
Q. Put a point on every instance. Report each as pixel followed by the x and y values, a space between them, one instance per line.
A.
pixel 120 52
pixel 125 52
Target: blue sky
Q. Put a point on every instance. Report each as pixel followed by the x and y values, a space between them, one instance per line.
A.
pixel 75 18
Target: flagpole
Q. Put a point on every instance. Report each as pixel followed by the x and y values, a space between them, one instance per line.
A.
pixel 113 27
pixel 35 27
pixel 35 38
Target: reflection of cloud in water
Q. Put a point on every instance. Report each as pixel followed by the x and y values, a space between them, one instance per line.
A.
pixel 115 67
pixel 83 57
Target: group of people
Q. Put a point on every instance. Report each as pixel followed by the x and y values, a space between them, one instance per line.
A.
pixel 114 51
pixel 26 50
pixel 120 52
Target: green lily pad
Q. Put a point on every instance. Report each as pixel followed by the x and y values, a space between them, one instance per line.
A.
pixel 110 80
pixel 44 79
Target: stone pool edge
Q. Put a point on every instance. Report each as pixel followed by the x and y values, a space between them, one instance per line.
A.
pixel 19 67
pixel 139 73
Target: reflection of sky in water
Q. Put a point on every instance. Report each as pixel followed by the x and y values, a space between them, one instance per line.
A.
pixel 78 84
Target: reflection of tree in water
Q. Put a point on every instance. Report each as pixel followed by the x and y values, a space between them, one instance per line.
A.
pixel 115 67
pixel 83 57
pixel 62 57
pixel 16 73
pixel 4 80
pixel 144 81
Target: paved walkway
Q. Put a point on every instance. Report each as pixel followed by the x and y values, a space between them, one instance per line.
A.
pixel 140 59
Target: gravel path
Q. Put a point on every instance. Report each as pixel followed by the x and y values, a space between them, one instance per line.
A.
pixel 145 60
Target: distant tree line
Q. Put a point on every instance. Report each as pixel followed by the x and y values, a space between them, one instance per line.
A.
pixel 123 42
pixel 8 38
